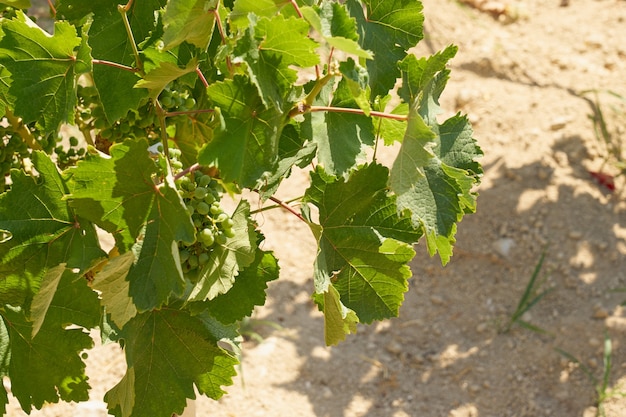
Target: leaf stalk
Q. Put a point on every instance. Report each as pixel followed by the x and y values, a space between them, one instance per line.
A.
pixel 124 9
pixel 21 129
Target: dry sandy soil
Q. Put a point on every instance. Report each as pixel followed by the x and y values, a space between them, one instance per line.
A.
pixel 446 355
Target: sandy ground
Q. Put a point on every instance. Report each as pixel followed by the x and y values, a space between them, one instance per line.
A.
pixel 446 355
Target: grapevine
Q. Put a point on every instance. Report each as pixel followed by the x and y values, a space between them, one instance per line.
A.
pixel 173 105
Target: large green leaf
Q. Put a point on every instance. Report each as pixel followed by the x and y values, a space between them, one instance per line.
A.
pixel 119 194
pixel 189 21
pixel 364 245
pixel 218 275
pixel 109 41
pixel 247 145
pixel 43 70
pixel 112 284
pixel 388 28
pixel 39 373
pixel 167 352
pixel 247 291
pixel 436 169
pixel 261 8
pixel 332 20
pixel 45 232
pixel 270 48
pixel 344 137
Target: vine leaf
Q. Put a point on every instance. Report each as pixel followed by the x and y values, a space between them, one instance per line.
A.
pixel 293 150
pixel 43 299
pixel 436 169
pixel 270 48
pixel 38 373
pixel 112 284
pixel 18 4
pixel 242 9
pixel 388 31
pixel 119 194
pixel 218 275
pixel 43 70
pixel 339 321
pixel 247 291
pixel 344 137
pixel 189 21
pixel 246 147
pixel 168 351
pixel 166 72
pixel 338 29
pixel 57 236
pixel 109 41
pixel 364 245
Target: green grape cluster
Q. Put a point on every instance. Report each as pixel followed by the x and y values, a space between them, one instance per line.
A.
pixel 12 152
pixel 140 123
pixel 67 157
pixel 177 98
pixel 174 158
pixel 201 195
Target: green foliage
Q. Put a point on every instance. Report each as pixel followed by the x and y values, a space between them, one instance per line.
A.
pixel 181 104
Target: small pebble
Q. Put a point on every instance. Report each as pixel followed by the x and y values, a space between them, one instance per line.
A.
pixel 600 313
pixel 437 300
pixel 504 246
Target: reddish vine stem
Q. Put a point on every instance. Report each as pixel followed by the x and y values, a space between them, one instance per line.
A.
pixel 186 171
pixel 202 77
pixel 295 6
pixel 220 28
pixel 287 207
pixel 52 8
pixel 114 64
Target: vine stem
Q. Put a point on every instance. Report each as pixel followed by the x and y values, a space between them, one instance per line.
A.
pixel 114 64
pixel 124 9
pixel 21 129
pixel 52 8
pixel 284 206
pixel 298 11
pixel 287 207
pixel 304 109
pixel 202 77
pixel 186 171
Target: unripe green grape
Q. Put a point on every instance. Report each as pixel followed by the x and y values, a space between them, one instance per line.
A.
pixel 167 101
pixel 209 199
pixel 229 233
pixel 190 103
pixel 203 258
pixel 200 193
pixel 220 238
pixel 215 209
pixel 197 223
pixel 193 261
pixel 184 255
pixel 221 218
pixel 73 141
pixel 207 237
pixel 99 123
pixel 177 165
pixel 203 208
pixel 204 180
pixel 228 224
